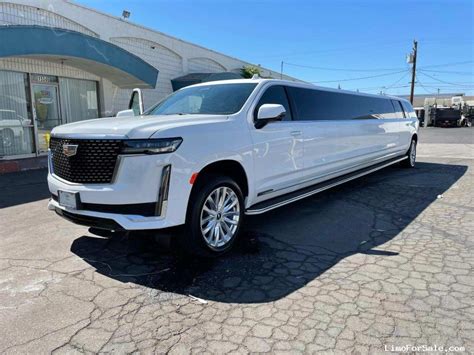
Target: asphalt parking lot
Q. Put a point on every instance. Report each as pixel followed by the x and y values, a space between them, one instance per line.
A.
pixel 382 262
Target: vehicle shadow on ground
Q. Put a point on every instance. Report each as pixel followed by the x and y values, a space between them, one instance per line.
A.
pixel 285 249
pixel 23 187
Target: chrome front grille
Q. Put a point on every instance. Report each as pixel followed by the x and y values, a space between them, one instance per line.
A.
pixel 93 161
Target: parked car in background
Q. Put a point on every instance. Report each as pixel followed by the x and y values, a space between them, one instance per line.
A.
pixel 209 154
pixel 11 131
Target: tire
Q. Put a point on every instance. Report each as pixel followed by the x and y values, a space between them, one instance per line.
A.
pixel 208 231
pixel 410 162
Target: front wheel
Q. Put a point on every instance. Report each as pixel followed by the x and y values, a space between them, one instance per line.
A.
pixel 214 217
pixel 411 156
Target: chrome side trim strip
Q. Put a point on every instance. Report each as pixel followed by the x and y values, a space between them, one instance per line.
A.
pixel 162 201
pixel 249 211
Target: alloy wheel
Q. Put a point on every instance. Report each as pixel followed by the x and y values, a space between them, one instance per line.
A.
pixel 220 216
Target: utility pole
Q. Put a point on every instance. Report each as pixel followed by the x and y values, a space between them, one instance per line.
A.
pixel 281 70
pixel 413 73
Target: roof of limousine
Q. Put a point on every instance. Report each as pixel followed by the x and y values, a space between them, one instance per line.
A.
pixel 295 84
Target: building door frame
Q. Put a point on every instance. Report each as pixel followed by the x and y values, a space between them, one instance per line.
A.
pixel 31 80
pixel 43 79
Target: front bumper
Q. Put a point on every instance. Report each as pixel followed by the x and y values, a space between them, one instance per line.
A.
pixel 142 196
pixel 111 221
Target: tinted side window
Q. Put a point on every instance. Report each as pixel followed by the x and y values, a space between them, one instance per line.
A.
pixel 275 95
pixel 409 110
pixel 399 113
pixel 380 107
pixel 327 105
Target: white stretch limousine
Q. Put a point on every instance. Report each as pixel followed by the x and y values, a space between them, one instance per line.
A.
pixel 209 154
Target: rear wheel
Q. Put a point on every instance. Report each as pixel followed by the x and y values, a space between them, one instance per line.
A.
pixel 215 214
pixel 411 156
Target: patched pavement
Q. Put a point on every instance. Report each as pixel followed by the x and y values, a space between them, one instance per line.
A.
pixel 386 260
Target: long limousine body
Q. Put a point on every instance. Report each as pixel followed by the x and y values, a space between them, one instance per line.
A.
pixel 209 154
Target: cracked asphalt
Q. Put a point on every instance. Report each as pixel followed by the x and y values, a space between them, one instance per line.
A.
pixel 386 260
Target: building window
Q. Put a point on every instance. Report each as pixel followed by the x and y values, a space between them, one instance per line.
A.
pixel 49 102
pixel 16 126
pixel 78 99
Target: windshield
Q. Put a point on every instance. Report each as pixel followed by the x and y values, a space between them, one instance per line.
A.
pixel 221 99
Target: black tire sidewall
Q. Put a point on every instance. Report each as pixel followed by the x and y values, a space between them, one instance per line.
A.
pixel 193 238
pixel 408 161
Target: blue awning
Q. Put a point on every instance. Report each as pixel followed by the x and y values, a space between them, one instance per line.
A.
pixel 75 49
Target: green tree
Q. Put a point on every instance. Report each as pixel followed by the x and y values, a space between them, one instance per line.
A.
pixel 249 71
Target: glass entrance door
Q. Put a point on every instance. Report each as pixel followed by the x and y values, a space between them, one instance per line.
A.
pixel 47 113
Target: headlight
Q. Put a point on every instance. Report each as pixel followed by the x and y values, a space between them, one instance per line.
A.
pixel 151 146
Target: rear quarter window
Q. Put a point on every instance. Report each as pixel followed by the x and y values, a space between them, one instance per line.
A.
pixel 410 112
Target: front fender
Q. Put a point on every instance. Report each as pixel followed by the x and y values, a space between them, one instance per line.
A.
pixel 243 159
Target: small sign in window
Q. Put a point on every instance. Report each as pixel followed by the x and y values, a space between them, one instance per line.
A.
pixel 44 79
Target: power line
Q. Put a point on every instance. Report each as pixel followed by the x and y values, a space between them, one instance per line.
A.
pixel 378 70
pixel 360 78
pixel 464 83
pixel 340 69
pixel 448 64
pixel 442 81
pixel 391 86
pixel 423 87
pixel 449 72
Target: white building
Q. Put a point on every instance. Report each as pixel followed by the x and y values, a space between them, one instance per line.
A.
pixel 62 62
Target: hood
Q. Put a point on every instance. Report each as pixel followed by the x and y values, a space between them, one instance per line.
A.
pixel 138 127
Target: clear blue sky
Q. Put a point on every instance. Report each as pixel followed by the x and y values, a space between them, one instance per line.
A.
pixel 361 37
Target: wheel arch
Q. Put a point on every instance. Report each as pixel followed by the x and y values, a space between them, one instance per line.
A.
pixel 227 167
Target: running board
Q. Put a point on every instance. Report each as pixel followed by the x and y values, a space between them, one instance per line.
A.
pixel 294 196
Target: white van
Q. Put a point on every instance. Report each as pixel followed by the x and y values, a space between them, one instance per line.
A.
pixel 209 154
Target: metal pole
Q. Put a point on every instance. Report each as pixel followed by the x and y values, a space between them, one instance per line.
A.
pixel 281 70
pixel 413 73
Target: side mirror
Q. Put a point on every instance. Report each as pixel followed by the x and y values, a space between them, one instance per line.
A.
pixel 125 113
pixel 136 102
pixel 269 112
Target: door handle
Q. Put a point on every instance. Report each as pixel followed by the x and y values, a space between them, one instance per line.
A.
pixel 296 133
